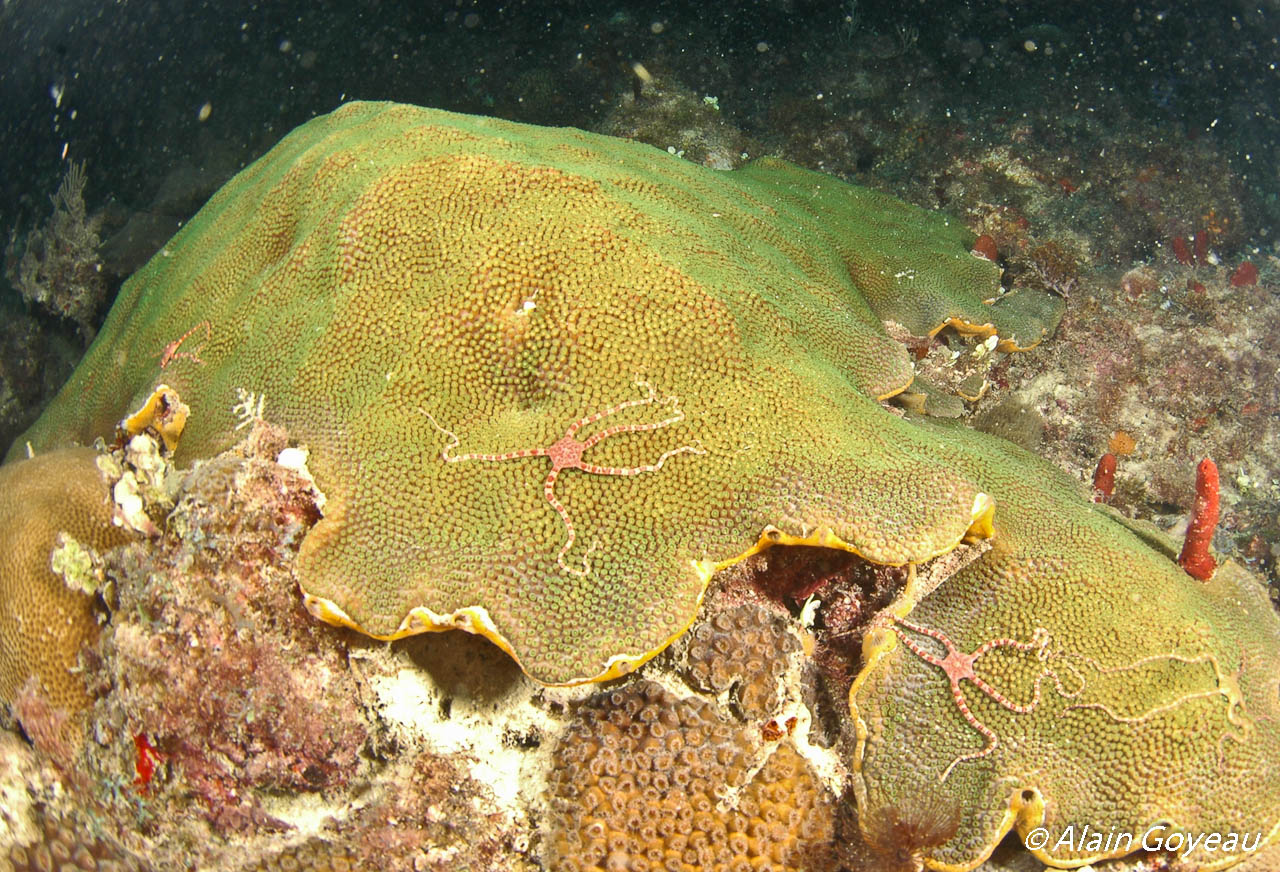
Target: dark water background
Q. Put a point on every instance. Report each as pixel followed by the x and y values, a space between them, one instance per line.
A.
pixel 134 75
pixel 164 101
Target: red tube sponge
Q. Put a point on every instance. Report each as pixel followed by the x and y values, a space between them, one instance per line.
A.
pixel 1195 557
pixel 1246 275
pixel 985 247
pixel 1181 251
pixel 1104 478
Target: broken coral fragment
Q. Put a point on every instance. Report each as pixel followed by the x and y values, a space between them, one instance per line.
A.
pixel 142 479
pixel 162 413
pixel 550 379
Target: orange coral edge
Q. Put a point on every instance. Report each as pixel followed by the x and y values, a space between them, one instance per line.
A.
pixel 982 331
pixel 163 412
pixel 476 619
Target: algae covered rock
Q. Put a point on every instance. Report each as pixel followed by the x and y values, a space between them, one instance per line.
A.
pixel 550 380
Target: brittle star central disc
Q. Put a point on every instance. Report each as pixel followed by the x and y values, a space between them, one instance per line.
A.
pixel 566 453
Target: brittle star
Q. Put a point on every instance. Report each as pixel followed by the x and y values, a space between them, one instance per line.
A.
pixel 959 667
pixel 1226 685
pixel 171 352
pixel 566 453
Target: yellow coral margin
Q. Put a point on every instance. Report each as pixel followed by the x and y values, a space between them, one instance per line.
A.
pixel 476 620
pixel 980 527
pixel 878 643
pixel 163 412
pixel 472 619
pixel 895 391
pixel 983 524
pixel 983 331
pixel 1026 809
pixel 965 328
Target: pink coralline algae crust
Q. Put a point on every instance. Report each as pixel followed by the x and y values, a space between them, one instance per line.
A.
pixel 212 658
pixel 45 725
pixel 428 820
pixel 421 820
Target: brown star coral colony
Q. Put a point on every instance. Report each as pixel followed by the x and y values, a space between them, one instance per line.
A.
pixel 674 445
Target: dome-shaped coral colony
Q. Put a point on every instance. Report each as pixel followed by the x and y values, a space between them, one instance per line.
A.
pixel 552 382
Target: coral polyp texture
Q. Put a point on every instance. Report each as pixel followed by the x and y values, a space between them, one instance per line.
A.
pixel 648 780
pixel 552 380
pixel 1071 674
pixel 56 501
pixel 69 845
pixel 742 650
pixel 312 856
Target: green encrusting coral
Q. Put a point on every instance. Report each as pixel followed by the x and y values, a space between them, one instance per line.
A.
pixel 1120 691
pixel 414 294
pixel 551 381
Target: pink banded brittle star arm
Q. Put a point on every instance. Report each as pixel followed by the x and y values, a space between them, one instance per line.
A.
pixel 567 452
pixel 960 667
pixel 171 352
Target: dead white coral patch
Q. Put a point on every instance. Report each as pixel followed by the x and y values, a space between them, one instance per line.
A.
pixel 143 483
pixel 248 408
pixel 295 458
